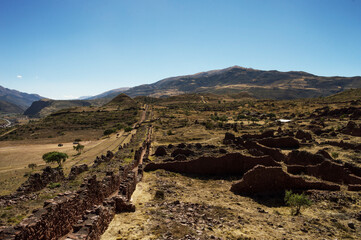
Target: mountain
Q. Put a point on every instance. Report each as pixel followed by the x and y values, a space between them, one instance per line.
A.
pixel 261 84
pixel 108 94
pixel 6 107
pixel 23 100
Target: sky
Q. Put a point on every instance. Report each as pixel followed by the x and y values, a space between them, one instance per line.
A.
pixel 64 49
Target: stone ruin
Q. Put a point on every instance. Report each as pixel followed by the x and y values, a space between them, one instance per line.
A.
pixel 261 180
pixel 352 129
pixel 229 164
pixel 264 172
pixel 109 156
pixel 85 213
pixel 39 181
pixel 76 170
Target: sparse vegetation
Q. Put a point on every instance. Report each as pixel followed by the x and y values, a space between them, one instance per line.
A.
pixel 54 185
pixel 32 166
pixel 296 202
pixel 109 131
pixel 79 148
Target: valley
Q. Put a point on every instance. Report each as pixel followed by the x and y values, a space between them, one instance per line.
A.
pixel 192 166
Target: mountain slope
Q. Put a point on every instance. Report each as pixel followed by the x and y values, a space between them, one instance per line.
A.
pixel 261 84
pixel 6 107
pixel 122 101
pixel 108 94
pixel 45 107
pixel 23 100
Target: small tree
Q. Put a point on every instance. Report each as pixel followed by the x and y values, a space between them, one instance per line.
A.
pixel 296 201
pixel 52 157
pixel 32 166
pixel 79 148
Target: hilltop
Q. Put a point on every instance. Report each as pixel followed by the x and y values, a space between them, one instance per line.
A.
pixel 261 84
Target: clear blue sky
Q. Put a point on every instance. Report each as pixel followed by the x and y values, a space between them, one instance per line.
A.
pixel 70 48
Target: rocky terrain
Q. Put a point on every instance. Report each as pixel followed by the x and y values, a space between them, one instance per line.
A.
pixel 202 167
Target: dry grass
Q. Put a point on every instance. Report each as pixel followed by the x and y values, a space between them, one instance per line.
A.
pixel 240 216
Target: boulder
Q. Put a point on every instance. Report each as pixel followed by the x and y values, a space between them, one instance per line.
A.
pixel 303 135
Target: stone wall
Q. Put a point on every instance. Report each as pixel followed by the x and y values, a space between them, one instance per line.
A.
pixel 261 180
pixel 233 163
pixel 85 213
pixel 328 171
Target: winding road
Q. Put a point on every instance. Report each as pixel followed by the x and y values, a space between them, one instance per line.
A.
pixel 8 123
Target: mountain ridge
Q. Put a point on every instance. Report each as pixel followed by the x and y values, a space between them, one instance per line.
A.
pixel 21 99
pixel 262 84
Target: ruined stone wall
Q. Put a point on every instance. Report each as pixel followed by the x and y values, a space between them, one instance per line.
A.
pixel 34 183
pixel 261 179
pixel 328 171
pixel 65 212
pixel 233 163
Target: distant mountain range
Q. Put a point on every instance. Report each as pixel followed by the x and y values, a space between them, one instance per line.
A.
pixel 256 83
pixel 260 84
pixel 13 101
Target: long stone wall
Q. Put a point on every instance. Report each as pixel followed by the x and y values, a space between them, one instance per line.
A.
pixel 87 212
pixel 233 163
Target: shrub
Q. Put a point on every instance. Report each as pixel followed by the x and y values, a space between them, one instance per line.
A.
pixel 159 194
pixel 128 129
pixel 109 131
pixel 53 185
pixel 296 201
pixel 334 155
pixel 32 166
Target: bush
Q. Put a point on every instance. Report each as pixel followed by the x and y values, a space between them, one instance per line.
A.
pixel 120 126
pixel 53 185
pixel 296 201
pixel 109 131
pixel 334 155
pixel 32 166
pixel 128 129
pixel 159 195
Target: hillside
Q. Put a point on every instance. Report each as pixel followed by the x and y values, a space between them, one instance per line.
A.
pixel 6 107
pixel 23 100
pixel 108 94
pixel 122 101
pixel 261 84
pixel 45 107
